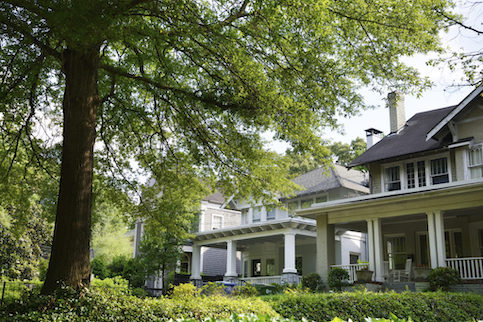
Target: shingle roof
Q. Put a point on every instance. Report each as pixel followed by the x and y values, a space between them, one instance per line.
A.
pixel 411 139
pixel 322 179
pixel 216 197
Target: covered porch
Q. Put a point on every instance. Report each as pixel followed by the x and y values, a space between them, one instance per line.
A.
pixel 408 233
pixel 278 251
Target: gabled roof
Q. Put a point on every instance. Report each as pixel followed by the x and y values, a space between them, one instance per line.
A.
pixel 409 140
pixel 460 108
pixel 323 179
pixel 216 197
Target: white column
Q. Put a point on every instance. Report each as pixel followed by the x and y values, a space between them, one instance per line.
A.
pixel 370 241
pixel 440 243
pixel 378 252
pixel 195 263
pixel 433 253
pixel 325 247
pixel 289 248
pixel 231 259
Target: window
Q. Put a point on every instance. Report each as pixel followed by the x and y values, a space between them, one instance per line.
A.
pixel 270 212
pixel 393 181
pixel 480 236
pixel 217 222
pixel 292 206
pixel 439 171
pixel 307 203
pixel 415 174
pixel 321 199
pixel 270 267
pixel 257 214
pixel 245 268
pixel 396 251
pixel 423 249
pixel 256 267
pixel 454 243
pixel 354 258
pixel 475 161
pixel 244 216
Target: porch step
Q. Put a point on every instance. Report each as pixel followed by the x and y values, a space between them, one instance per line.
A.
pixel 400 286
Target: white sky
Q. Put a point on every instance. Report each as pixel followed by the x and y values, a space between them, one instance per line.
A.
pixel 442 94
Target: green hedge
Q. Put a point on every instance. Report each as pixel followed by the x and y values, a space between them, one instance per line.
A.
pixel 106 304
pixel 437 306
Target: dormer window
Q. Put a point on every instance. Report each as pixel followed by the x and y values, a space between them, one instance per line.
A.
pixel 439 171
pixel 416 174
pixel 217 222
pixel 393 179
pixel 475 161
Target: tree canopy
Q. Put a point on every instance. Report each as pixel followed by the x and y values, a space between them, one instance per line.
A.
pixel 182 90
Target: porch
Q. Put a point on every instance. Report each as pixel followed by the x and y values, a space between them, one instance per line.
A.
pixel 408 233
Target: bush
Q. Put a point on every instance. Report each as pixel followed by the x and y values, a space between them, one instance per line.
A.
pixel 337 278
pixel 184 290
pixel 428 306
pixel 245 290
pixel 99 269
pixel 313 282
pixel 441 278
pixel 105 304
pixel 116 282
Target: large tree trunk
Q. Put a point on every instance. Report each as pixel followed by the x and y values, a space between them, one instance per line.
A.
pixel 69 260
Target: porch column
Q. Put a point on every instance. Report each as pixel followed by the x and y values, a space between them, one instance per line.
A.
pixel 195 265
pixel 370 242
pixel 440 242
pixel 374 239
pixel 289 251
pixel 433 253
pixel 378 252
pixel 325 247
pixel 230 274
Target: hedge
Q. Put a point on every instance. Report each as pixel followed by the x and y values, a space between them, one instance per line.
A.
pixel 436 306
pixel 105 304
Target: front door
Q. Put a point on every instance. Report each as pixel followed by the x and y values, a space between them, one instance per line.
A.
pixel 256 267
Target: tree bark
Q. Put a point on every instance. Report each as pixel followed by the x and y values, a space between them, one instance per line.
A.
pixel 69 260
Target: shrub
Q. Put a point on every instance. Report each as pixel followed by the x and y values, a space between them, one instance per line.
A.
pixel 441 278
pixel 185 290
pixel 313 282
pixel 105 304
pixel 139 292
pixel 213 288
pixel 99 269
pixel 116 282
pixel 437 306
pixel 245 290
pixel 337 278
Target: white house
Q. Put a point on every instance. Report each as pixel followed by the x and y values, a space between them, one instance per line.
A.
pixel 425 209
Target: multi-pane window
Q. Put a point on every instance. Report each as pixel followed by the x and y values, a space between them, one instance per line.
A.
pixel 396 252
pixel 257 214
pixel 270 212
pixel 416 174
pixel 217 222
pixel 292 206
pixel 321 199
pixel 270 267
pixel 393 180
pixel 421 174
pixel 307 203
pixel 475 161
pixel 439 171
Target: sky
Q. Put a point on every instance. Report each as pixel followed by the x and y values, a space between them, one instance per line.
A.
pixel 442 94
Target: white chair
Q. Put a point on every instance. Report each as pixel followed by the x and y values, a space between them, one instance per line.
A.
pixel 406 273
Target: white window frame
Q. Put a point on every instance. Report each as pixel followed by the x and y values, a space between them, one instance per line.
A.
pixel 213 221
pixel 403 174
pixel 259 219
pixel 468 166
pixel 268 209
pixel 326 195
pixel 386 253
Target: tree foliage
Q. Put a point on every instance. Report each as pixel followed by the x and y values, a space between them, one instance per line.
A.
pixel 170 87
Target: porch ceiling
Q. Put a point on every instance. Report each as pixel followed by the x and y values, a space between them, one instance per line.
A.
pixel 450 198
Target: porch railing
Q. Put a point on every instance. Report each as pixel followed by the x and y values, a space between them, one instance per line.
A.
pixel 351 269
pixel 470 268
pixel 267 280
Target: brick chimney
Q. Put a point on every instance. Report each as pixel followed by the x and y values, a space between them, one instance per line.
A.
pixel 397 113
pixel 372 137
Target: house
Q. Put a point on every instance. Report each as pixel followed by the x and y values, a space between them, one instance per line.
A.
pixel 425 205
pixel 265 244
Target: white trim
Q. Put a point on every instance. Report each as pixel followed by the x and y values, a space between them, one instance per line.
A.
pixel 459 144
pixel 213 221
pixel 454 112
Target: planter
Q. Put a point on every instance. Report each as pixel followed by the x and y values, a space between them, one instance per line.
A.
pixel 364 276
pixel 421 274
